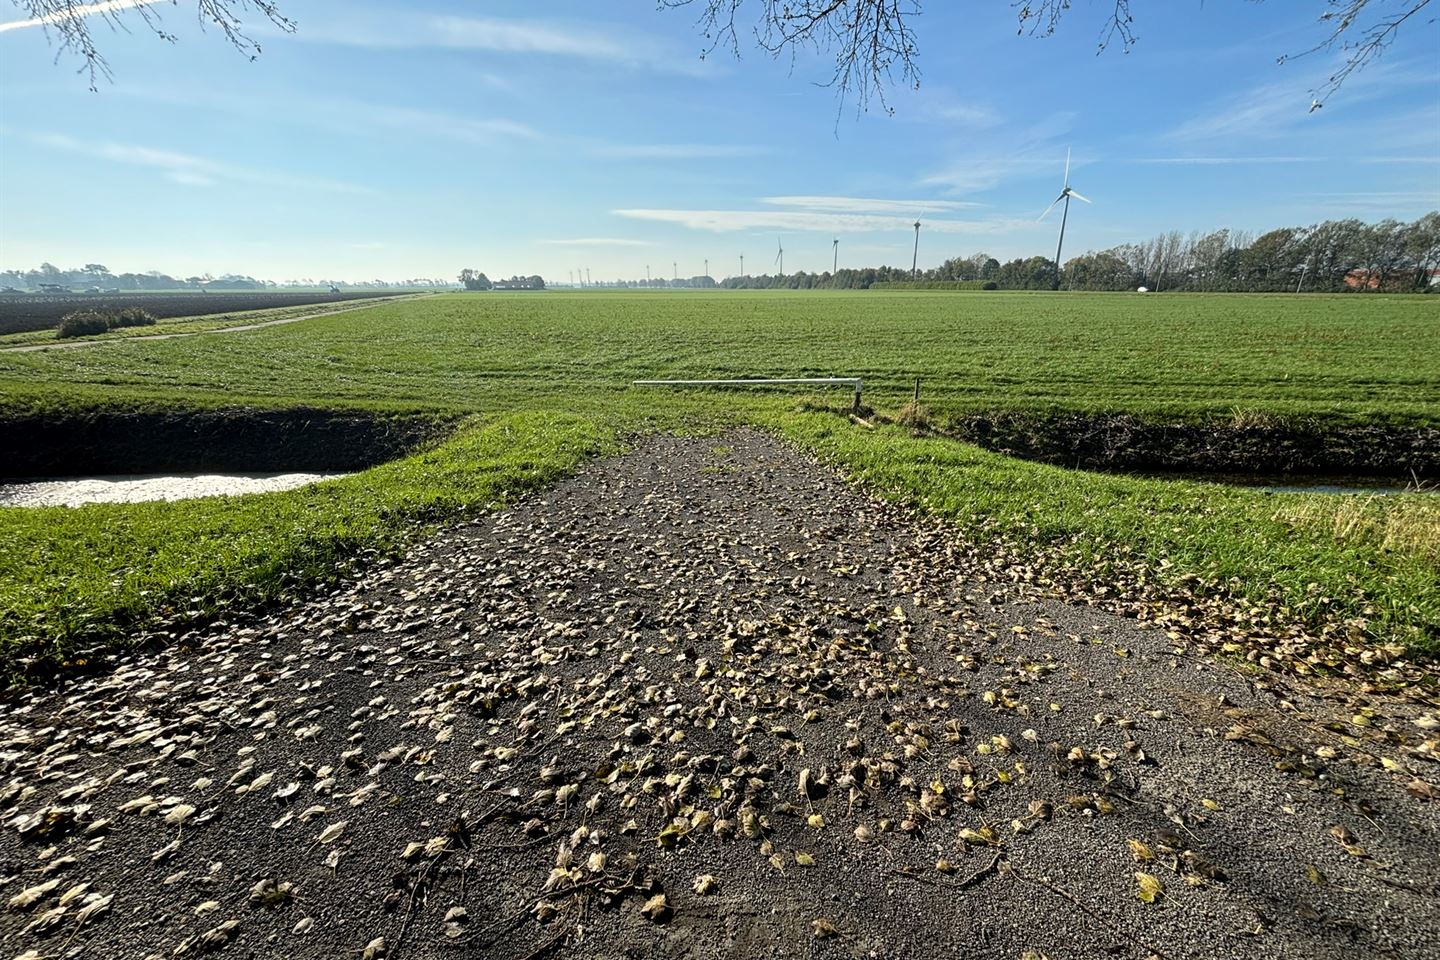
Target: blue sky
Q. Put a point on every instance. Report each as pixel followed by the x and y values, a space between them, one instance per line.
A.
pixel 395 140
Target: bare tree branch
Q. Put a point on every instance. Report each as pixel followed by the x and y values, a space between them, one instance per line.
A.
pixel 1363 42
pixel 1040 18
pixel 872 39
pixel 73 23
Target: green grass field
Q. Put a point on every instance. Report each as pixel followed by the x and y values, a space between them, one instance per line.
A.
pixel 545 378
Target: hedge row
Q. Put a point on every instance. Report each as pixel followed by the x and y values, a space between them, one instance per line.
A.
pixel 935 285
pixel 89 323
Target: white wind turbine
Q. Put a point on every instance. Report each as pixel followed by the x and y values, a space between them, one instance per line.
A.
pixel 915 255
pixel 780 254
pixel 1065 194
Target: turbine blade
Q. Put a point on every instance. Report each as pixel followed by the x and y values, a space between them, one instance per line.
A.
pixel 1049 208
pixel 1078 197
pixel 1067 166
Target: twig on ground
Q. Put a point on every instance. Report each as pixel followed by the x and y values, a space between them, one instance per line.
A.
pixel 1067 895
pixel 964 884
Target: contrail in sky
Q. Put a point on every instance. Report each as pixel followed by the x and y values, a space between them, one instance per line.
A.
pixel 84 10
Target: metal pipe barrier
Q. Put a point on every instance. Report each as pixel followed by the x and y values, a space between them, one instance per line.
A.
pixel 855 382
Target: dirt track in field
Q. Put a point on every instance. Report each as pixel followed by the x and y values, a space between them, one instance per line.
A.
pixel 238 328
pixel 707 700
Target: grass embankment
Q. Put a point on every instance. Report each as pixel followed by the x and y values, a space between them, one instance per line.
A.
pixel 1299 552
pixel 71 575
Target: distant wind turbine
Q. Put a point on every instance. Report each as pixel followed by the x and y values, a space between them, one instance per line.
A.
pixel 835 266
pixel 915 257
pixel 1065 194
pixel 780 254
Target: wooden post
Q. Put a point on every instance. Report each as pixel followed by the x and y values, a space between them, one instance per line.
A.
pixel 917 392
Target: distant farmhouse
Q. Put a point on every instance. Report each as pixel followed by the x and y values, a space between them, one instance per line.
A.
pixel 521 283
pixel 1361 279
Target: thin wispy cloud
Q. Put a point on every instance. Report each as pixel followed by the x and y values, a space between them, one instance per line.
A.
pixel 1278 109
pixel 731 221
pixel 1380 202
pixel 188 169
pixel 339 113
pixel 676 151
pixel 869 204
pixel 1024 154
pixel 575 39
pixel 1264 109
pixel 1225 161
pixel 449 126
pixel 598 242
pixel 81 10
pixel 947 108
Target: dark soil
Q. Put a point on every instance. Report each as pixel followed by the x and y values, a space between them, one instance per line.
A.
pixel 706 700
pixel 22 313
pixel 1126 442
pixel 235 440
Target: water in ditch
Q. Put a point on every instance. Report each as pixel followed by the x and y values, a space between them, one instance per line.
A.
pixel 1339 485
pixel 74 491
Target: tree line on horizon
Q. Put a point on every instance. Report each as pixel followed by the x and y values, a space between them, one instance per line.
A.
pixel 1331 256
pixel 96 276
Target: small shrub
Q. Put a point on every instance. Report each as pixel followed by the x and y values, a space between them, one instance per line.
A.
pixel 83 323
pixel 914 415
pixel 989 285
pixel 133 317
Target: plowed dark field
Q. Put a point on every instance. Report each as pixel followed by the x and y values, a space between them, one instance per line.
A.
pixel 27 312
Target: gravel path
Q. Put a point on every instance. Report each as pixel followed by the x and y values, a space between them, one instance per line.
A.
pixel 706 700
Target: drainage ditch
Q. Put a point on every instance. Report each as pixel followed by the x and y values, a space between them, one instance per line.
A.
pixel 132 456
pixel 1282 458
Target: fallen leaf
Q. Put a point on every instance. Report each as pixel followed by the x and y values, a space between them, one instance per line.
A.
pixel 1148 887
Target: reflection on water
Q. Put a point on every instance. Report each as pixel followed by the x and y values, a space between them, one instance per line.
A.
pixel 74 491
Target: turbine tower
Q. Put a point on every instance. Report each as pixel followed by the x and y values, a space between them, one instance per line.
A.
pixel 780 254
pixel 707 266
pixel 835 265
pixel 1065 194
pixel 742 264
pixel 915 257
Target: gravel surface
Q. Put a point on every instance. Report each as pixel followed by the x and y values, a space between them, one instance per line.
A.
pixel 707 700
pixel 72 492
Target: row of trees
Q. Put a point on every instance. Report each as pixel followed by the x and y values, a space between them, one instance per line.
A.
pixel 475 280
pixel 1336 255
pixel 96 276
